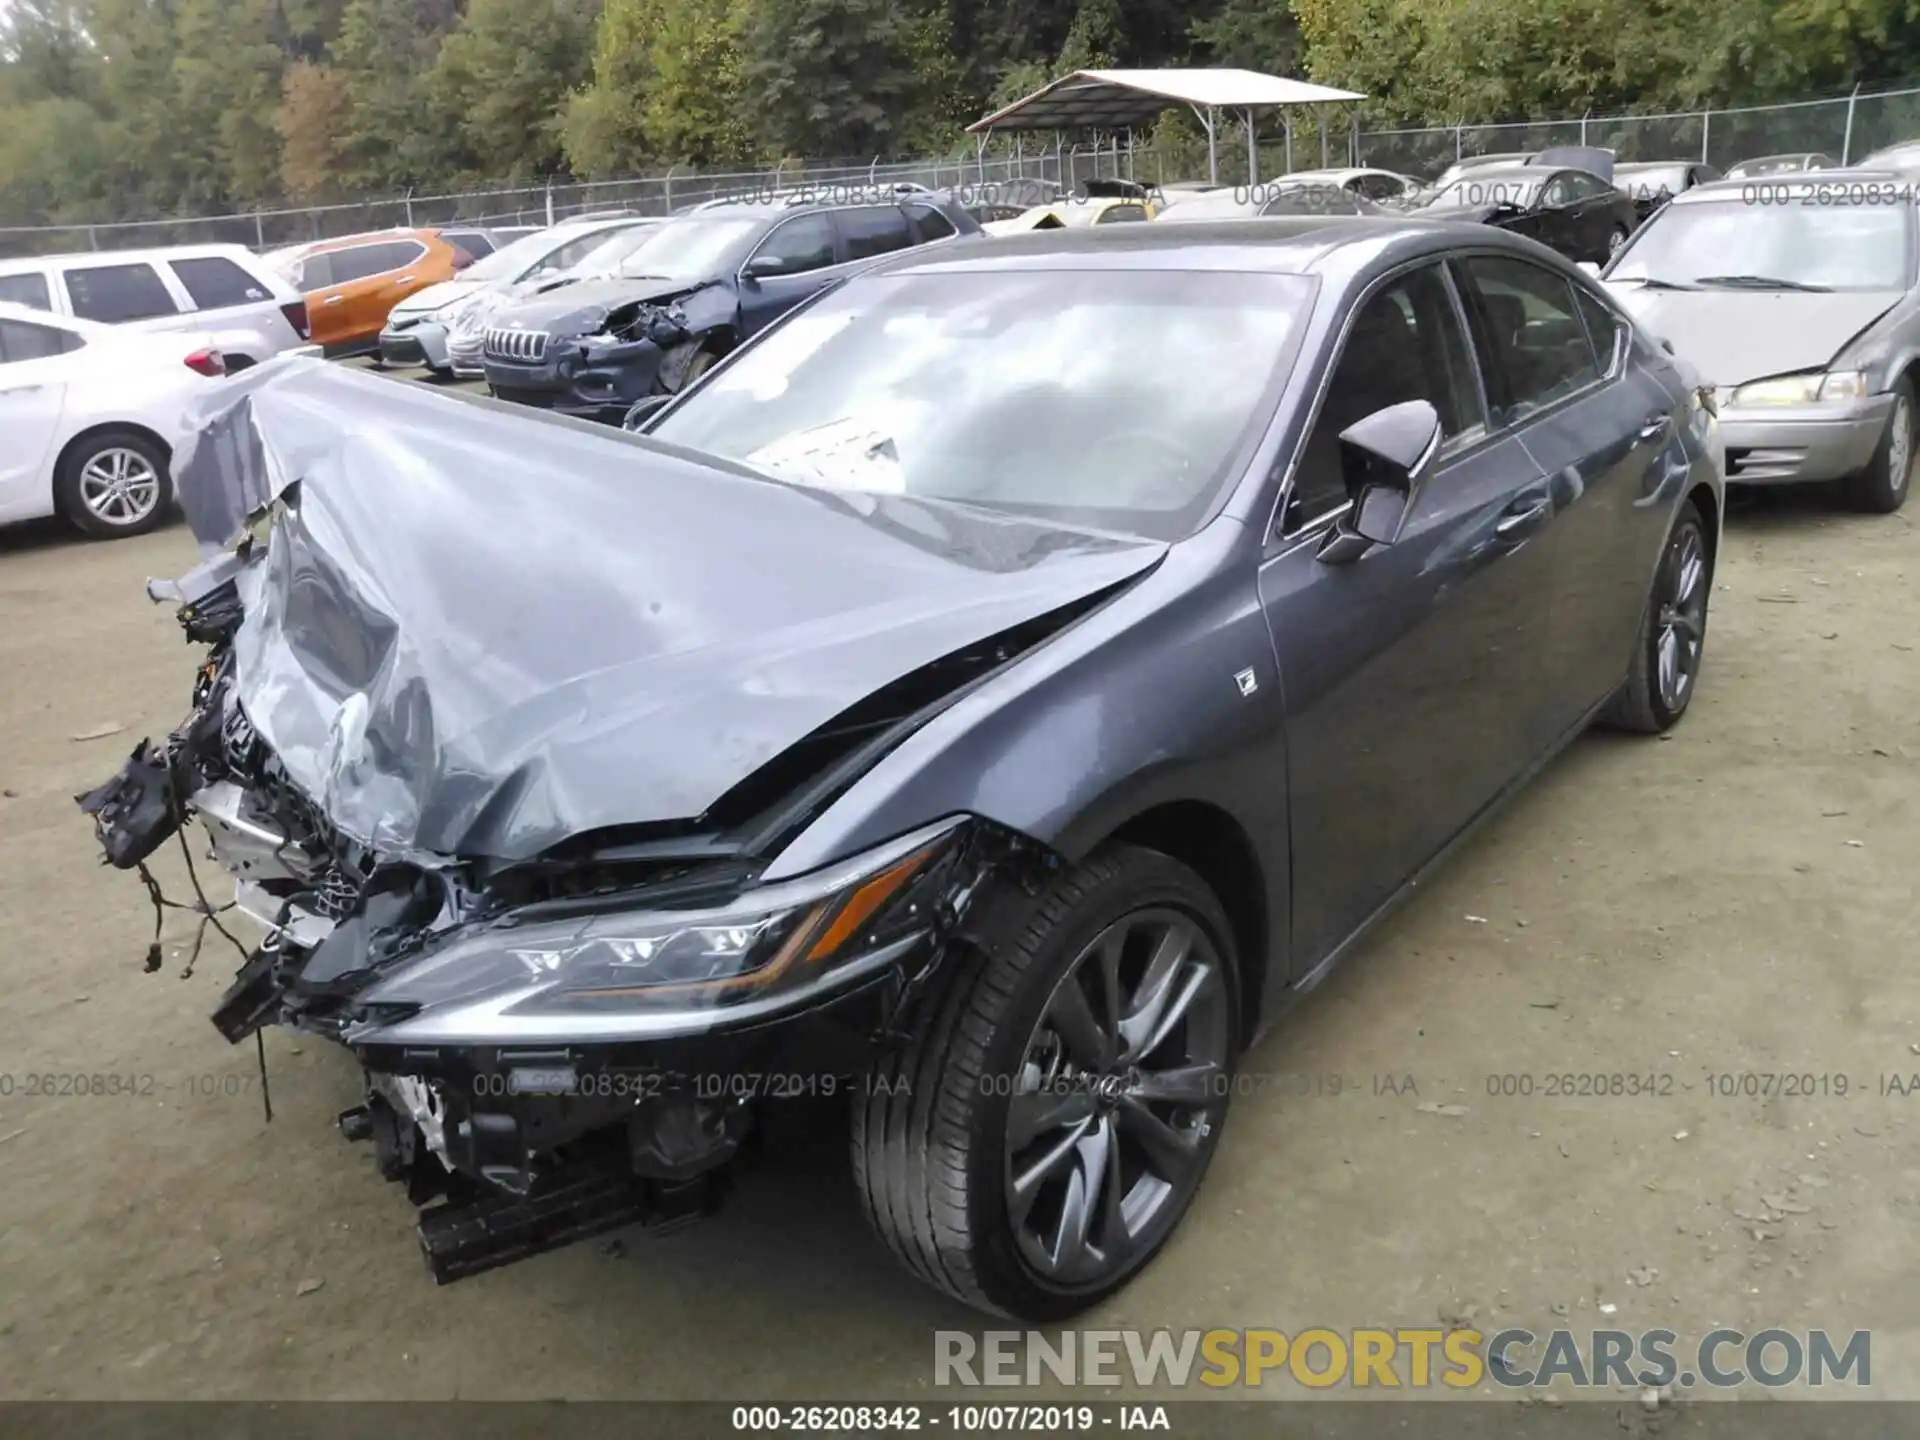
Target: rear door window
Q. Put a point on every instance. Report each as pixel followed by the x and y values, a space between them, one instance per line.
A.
pixel 364 261
pixel 1120 214
pixel 28 289
pixel 23 340
pixel 476 243
pixel 930 222
pixel 875 230
pixel 216 283
pixel 118 293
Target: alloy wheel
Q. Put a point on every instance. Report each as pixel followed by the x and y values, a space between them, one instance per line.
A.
pixel 1683 619
pixel 1118 1099
pixel 119 486
pixel 1900 445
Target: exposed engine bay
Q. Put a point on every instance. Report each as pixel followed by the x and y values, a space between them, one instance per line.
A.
pixel 570 1002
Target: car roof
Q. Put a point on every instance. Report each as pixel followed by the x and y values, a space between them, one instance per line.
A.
pixel 1735 189
pixel 124 257
pixel 377 237
pixel 1516 173
pixel 1632 165
pixel 93 329
pixel 1279 245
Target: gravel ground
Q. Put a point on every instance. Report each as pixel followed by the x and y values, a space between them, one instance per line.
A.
pixel 1738 899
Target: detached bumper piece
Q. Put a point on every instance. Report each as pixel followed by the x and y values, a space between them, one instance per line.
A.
pixel 459 1240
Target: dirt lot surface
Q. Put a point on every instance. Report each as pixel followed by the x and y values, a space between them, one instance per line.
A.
pixel 1737 900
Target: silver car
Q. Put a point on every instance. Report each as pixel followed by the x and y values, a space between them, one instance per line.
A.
pixel 1794 299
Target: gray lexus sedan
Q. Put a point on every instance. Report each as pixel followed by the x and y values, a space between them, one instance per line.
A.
pixel 1794 298
pixel 939 708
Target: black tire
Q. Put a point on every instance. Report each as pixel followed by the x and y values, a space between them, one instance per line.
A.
pixel 696 367
pixel 1882 487
pixel 931 1152
pixel 1615 240
pixel 1645 704
pixel 75 482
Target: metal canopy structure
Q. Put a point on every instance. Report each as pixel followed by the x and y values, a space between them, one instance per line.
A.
pixel 1127 99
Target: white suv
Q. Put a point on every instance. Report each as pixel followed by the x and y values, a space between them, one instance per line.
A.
pixel 253 312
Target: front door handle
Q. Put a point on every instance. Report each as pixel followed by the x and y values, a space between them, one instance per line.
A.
pixel 1655 427
pixel 334 300
pixel 1523 516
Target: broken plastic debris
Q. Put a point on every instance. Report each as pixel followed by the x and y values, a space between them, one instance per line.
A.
pixel 97 732
pixel 1432 1108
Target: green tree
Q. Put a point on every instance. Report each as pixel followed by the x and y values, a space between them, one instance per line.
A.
pixel 312 121
pixel 505 73
pixel 831 78
pixel 604 126
pixel 697 109
pixel 392 135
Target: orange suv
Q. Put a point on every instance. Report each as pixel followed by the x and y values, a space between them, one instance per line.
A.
pixel 351 284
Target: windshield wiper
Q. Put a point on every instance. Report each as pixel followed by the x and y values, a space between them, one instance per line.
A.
pixel 1759 282
pixel 1654 282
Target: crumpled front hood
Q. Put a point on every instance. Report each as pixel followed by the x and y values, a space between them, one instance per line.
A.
pixel 479 631
pixel 1733 336
pixel 582 309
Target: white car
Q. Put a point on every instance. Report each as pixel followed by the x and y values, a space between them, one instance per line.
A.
pixel 222 289
pixel 91 415
pixel 417 330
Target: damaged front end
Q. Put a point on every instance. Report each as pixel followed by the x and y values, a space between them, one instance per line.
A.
pixel 571 1007
pixel 563 1046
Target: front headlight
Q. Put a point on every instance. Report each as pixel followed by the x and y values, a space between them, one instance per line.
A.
pixel 1807 389
pixel 637 975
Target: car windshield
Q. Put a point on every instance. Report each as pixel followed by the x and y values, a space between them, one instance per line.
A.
pixel 605 257
pixel 511 262
pixel 689 249
pixel 1786 245
pixel 1472 192
pixel 1013 391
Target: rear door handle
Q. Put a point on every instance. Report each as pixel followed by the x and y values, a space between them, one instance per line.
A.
pixel 1655 427
pixel 334 300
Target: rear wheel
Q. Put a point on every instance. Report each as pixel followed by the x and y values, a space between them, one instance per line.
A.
pixel 1666 663
pixel 1615 239
pixel 1039 1141
pixel 1882 487
pixel 114 484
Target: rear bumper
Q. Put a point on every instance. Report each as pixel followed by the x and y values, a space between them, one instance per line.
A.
pixel 1780 446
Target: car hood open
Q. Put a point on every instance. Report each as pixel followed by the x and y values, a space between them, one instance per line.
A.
pixel 1733 336
pixel 477 631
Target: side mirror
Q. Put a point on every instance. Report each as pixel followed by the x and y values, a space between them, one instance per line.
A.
pixel 1386 458
pixel 643 410
pixel 762 266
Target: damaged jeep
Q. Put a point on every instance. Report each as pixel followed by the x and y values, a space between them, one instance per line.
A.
pixel 704 283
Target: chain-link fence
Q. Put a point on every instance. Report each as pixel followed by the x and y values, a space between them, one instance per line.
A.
pixel 1843 128
pixel 543 204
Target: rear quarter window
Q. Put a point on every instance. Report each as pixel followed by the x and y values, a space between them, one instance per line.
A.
pixel 28 289
pixel 115 294
pixel 216 283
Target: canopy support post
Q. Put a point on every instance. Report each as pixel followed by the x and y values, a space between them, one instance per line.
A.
pixel 1206 119
pixel 1253 152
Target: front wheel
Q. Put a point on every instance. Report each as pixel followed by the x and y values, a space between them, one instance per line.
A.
pixel 1666 662
pixel 1039 1141
pixel 1882 487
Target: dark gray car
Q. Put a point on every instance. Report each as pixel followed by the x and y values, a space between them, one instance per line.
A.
pixel 1795 298
pixel 940 711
